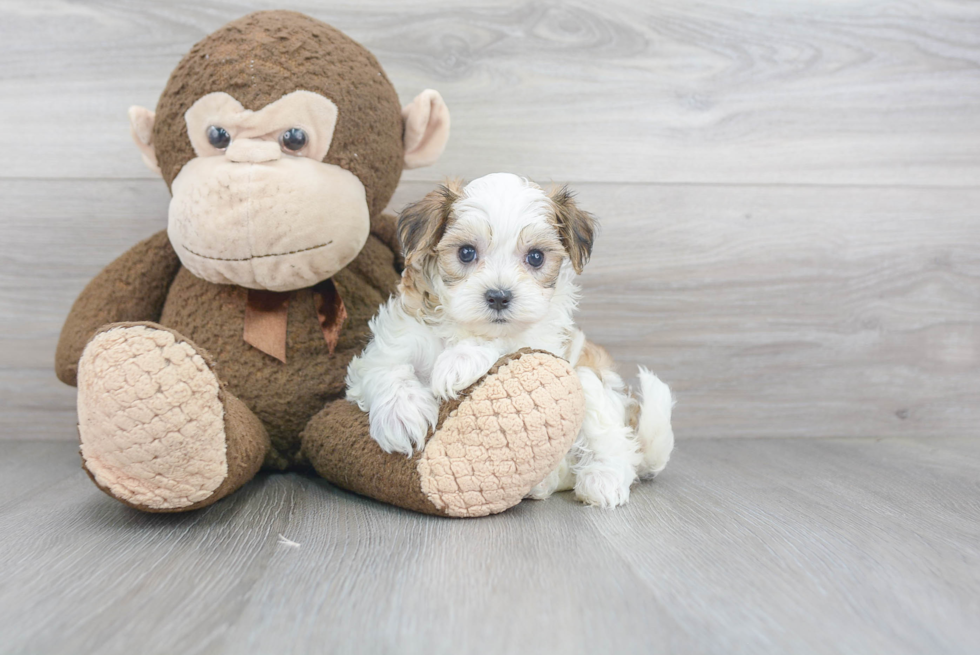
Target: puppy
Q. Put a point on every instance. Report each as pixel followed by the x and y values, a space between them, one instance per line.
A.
pixel 490 268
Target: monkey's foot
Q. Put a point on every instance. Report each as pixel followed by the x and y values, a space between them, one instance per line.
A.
pixel 504 437
pixel 157 430
pixel 492 445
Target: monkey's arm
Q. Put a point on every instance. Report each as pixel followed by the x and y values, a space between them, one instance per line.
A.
pixel 132 288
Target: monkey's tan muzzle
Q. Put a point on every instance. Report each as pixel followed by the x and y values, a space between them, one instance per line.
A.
pixel 266 221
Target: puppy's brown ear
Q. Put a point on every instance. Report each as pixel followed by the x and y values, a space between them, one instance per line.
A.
pixel 577 228
pixel 422 224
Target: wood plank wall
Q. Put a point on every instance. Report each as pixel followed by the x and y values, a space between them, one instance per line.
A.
pixel 790 191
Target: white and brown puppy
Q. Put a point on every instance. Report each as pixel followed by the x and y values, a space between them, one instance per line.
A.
pixel 490 268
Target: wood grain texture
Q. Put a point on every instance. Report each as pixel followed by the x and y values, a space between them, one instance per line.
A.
pixel 771 311
pixel 741 546
pixel 621 91
pixel 789 193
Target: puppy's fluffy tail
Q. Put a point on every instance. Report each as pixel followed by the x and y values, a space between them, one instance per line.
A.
pixel 653 431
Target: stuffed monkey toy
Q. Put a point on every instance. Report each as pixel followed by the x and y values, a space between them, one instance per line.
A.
pixel 220 346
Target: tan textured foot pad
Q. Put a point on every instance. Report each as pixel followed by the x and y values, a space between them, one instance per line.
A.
pixel 504 437
pixel 150 419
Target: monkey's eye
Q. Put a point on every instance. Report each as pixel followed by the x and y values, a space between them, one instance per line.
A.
pixel 293 139
pixel 218 137
pixel 466 254
pixel 535 258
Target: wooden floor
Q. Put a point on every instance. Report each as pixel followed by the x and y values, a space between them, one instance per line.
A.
pixel 790 199
pixel 741 546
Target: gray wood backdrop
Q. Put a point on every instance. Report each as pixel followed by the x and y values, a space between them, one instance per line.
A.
pixel 789 190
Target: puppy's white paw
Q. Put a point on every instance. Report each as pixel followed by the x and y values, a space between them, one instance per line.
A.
pixel 400 423
pixel 458 367
pixel 561 479
pixel 545 488
pixel 604 486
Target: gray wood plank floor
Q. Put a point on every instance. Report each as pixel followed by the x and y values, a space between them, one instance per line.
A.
pixel 741 546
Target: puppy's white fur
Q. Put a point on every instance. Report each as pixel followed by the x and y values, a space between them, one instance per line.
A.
pixel 440 334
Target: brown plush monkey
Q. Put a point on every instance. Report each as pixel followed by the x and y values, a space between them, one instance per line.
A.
pixel 220 346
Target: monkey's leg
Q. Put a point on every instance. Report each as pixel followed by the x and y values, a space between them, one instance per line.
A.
pixel 158 432
pixel 491 446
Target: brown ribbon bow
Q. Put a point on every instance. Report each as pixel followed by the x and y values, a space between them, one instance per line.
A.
pixel 266 314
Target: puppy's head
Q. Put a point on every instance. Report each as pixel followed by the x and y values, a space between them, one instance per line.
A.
pixel 491 255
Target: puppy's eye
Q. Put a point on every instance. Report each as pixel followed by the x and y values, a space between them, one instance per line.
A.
pixel 293 139
pixel 466 254
pixel 535 258
pixel 218 137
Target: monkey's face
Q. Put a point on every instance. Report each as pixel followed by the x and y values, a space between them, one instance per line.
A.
pixel 257 207
pixel 280 139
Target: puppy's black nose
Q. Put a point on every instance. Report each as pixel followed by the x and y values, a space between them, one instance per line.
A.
pixel 498 299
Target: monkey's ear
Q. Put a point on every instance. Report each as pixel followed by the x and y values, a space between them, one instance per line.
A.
pixel 422 224
pixel 141 127
pixel 577 228
pixel 426 132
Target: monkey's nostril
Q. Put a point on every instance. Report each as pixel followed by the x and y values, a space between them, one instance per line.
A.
pixel 499 298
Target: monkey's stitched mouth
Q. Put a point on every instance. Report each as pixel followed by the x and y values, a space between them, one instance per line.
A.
pixel 248 259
